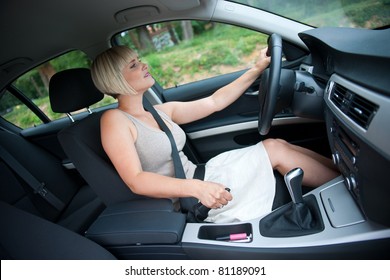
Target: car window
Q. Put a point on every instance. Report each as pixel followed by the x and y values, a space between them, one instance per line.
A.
pixel 16 112
pixel 181 52
pixel 34 85
pixel 319 13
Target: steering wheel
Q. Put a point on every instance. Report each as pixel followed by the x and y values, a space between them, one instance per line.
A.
pixel 270 85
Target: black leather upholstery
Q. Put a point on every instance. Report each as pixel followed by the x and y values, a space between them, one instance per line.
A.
pixel 72 90
pixel 129 219
pixel 28 237
pixel 82 204
pixel 148 221
pixel 81 142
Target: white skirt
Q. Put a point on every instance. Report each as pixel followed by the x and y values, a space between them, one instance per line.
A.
pixel 249 175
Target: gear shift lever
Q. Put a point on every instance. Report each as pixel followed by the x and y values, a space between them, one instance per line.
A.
pixel 299 218
pixel 293 180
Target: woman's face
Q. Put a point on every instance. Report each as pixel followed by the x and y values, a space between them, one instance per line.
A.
pixel 137 75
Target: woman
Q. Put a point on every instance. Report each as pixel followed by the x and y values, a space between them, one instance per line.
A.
pixel 141 152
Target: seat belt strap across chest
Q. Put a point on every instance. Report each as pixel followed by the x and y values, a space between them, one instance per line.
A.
pixel 186 203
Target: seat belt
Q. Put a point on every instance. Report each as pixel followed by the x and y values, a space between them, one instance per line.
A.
pixel 38 187
pixel 186 203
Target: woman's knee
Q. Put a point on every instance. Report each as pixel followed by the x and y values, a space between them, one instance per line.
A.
pixel 274 144
pixel 282 141
pixel 275 149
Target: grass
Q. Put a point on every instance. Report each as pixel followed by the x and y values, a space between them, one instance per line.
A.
pixel 365 14
pixel 203 56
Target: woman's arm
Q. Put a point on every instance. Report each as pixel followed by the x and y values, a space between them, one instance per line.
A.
pixel 179 111
pixel 118 134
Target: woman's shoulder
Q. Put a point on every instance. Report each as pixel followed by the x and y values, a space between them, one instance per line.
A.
pixel 115 117
pixel 115 120
pixel 115 114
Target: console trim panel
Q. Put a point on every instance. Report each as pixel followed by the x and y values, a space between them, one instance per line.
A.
pixel 331 235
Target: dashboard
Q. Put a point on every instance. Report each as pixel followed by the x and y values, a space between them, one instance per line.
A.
pixel 354 63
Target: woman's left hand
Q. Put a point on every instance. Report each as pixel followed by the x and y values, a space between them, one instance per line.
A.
pixel 263 61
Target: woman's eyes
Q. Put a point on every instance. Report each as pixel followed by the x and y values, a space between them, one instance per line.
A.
pixel 135 64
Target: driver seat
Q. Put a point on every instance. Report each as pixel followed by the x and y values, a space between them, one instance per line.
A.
pixel 73 90
pixel 129 219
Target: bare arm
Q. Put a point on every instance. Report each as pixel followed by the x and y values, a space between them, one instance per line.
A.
pixel 118 134
pixel 178 111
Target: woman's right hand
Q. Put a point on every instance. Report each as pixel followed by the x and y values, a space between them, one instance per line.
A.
pixel 213 195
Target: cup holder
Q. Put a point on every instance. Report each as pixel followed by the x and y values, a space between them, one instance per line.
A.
pixel 227 233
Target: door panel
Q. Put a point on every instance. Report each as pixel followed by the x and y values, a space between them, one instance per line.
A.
pixel 310 135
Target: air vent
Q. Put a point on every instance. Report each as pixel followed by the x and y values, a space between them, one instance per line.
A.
pixel 359 109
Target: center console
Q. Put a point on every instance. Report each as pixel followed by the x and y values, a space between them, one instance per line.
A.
pixel 155 231
pixel 345 231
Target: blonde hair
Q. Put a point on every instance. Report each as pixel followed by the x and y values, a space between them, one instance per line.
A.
pixel 106 71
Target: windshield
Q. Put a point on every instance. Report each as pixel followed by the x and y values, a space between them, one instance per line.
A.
pixel 370 14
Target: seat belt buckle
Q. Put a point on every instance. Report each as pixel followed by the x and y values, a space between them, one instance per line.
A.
pixel 41 190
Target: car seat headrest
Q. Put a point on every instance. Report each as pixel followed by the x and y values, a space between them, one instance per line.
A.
pixel 73 89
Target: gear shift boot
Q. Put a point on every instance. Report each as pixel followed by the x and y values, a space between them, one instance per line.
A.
pixel 301 217
pixel 293 219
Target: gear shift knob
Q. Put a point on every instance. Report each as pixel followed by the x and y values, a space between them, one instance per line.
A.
pixel 293 180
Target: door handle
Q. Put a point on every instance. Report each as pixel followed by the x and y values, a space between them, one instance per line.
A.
pixel 252 93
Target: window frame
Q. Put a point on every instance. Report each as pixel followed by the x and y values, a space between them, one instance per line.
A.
pixel 29 103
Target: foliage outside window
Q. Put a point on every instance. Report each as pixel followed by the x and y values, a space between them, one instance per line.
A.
pixel 16 112
pixel 339 13
pixel 181 52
